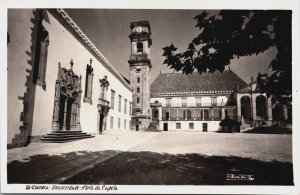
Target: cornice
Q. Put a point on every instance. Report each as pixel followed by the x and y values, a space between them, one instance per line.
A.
pixel 192 93
pixel 75 30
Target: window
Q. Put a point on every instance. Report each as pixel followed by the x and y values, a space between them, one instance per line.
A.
pixel 138 80
pixel 130 108
pixel 138 100
pixel 119 123
pixel 104 83
pixel 198 101
pixel 139 47
pixel 184 104
pixel 168 102
pixel 41 51
pixel 124 123
pixel 88 83
pixel 125 106
pixel 138 90
pixel 112 99
pixel 213 101
pixel 120 98
pixel 102 94
pixel 111 122
pixel 191 125
pixel 178 125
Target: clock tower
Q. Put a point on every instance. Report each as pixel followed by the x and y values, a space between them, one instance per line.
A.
pixel 139 73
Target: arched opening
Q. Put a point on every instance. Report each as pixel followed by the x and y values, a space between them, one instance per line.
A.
pixel 205 114
pixel 154 114
pixel 261 107
pixel 188 114
pixel 139 47
pixel 66 116
pixel 245 108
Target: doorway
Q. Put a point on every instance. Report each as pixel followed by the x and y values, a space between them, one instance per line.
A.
pixel 101 123
pixel 204 127
pixel 65 113
pixel 165 126
pixel 167 116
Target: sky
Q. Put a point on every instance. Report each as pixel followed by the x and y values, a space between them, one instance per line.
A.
pixel 109 29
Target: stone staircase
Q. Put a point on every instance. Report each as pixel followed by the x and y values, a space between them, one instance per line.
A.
pixel 152 126
pixel 64 136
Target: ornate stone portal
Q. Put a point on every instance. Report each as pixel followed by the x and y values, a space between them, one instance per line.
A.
pixel 67 100
pixel 103 104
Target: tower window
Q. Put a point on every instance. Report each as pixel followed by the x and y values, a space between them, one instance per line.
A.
pixel 138 90
pixel 139 47
pixel 138 80
pixel 138 100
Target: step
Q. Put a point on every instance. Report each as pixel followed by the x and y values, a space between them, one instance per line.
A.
pixel 66 134
pixel 64 138
pixel 63 141
pixel 65 131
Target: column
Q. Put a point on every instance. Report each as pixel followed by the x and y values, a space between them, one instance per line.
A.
pixel 194 114
pixel 65 114
pixel 169 114
pixel 238 101
pixel 285 112
pixel 55 124
pixel 254 108
pixel 212 114
pixel 160 113
pixel 223 113
pixel 270 117
pixel 151 114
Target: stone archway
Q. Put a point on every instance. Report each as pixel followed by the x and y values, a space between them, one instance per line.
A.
pixel 155 113
pixel 246 107
pixel 67 100
pixel 261 107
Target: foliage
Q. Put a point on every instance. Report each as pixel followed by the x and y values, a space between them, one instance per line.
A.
pixel 231 34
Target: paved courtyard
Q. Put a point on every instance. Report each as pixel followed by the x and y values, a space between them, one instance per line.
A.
pixel 147 158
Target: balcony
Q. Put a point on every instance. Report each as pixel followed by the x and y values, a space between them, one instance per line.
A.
pixel 103 103
pixel 139 57
pixel 192 119
pixel 184 105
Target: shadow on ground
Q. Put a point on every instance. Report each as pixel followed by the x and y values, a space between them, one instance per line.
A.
pixel 270 130
pixel 148 168
pixel 43 168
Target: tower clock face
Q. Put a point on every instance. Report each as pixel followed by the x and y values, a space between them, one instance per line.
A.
pixel 139 29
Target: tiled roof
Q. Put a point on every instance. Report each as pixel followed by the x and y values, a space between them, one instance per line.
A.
pixel 193 84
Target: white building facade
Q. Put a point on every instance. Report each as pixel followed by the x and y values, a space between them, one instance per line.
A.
pixel 58 80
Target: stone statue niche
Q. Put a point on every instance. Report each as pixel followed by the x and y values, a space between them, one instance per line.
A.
pixel 67 100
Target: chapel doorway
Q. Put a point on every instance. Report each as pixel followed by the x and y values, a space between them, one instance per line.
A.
pixel 101 123
pixel 66 116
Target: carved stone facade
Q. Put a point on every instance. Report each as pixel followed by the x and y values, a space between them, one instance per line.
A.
pixel 66 112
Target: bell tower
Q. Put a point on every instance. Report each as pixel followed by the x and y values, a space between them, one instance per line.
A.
pixel 139 73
